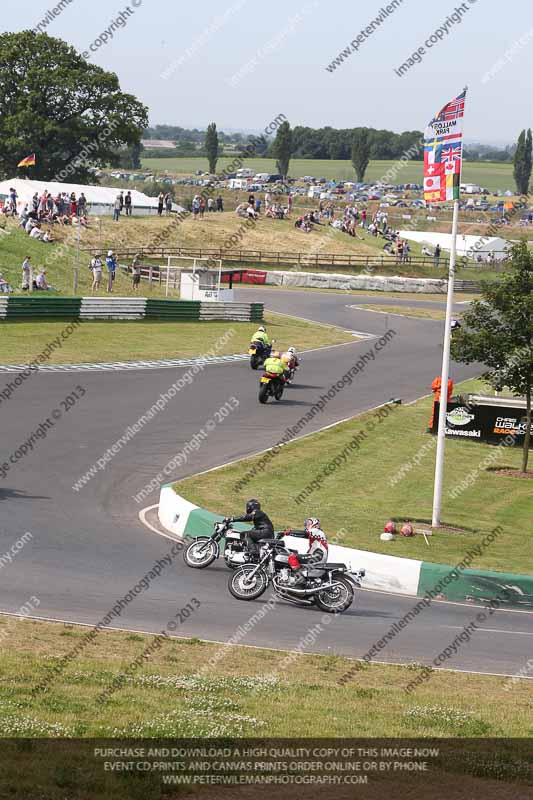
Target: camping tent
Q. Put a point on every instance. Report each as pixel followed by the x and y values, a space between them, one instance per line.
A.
pixel 471 246
pixel 100 199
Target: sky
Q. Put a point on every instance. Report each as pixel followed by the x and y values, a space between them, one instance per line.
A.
pixel 240 63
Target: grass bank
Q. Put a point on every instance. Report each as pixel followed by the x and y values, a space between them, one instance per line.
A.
pixel 127 341
pixel 390 474
pixel 248 693
pixel 406 311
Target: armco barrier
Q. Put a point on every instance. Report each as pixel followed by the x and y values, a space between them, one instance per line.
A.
pixel 41 306
pixel 383 572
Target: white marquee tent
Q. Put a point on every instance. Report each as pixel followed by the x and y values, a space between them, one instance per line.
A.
pixel 100 199
pixel 471 246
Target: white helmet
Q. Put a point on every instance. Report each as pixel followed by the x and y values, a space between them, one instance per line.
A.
pixel 109 253
pixel 262 328
pixel 386 536
pixel 292 350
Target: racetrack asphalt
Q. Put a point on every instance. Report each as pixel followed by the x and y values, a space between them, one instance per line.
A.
pixel 89 548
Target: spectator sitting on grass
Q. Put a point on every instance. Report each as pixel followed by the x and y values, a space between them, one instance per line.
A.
pixel 5 288
pixel 41 282
pixel 36 232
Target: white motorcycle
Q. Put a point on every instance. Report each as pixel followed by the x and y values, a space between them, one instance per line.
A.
pixel 203 550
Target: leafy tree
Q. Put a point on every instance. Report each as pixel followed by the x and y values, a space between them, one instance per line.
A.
pixel 211 147
pixel 522 162
pixel 498 332
pixel 69 112
pixel 130 158
pixel 282 148
pixel 360 152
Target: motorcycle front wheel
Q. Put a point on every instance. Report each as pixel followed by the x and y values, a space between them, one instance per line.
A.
pixel 243 587
pixel 278 392
pixel 338 598
pixel 200 553
pixel 264 391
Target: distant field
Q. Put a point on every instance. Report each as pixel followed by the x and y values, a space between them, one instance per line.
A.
pixel 491 175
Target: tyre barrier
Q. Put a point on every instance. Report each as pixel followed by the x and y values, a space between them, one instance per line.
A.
pixel 383 572
pixel 125 308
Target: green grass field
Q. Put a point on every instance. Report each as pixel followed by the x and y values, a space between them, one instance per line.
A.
pixel 490 175
pixel 117 341
pixel 374 484
pixel 249 692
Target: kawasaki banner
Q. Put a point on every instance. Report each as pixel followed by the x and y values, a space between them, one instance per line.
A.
pixel 494 424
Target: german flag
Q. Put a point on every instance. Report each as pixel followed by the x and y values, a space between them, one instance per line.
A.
pixel 29 161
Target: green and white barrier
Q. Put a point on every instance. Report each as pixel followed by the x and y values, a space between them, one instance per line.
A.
pixel 46 306
pixel 385 573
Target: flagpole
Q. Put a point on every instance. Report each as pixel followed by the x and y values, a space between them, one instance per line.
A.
pixel 443 404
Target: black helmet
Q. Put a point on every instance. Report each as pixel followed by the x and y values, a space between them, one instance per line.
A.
pixel 253 505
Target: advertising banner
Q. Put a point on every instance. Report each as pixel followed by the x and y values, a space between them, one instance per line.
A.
pixel 485 423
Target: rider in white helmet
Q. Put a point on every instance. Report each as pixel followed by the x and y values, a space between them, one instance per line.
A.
pixel 317 553
pixel 290 358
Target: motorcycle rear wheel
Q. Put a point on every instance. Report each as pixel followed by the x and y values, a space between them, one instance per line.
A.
pixel 264 392
pixel 201 552
pixel 337 599
pixel 254 589
pixel 254 361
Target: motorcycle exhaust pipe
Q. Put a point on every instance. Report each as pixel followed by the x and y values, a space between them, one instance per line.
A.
pixel 305 592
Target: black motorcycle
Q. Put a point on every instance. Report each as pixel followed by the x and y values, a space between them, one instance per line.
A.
pixel 203 550
pixel 258 352
pixel 331 587
pixel 271 385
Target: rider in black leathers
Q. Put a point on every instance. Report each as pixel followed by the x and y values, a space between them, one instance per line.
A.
pixel 262 526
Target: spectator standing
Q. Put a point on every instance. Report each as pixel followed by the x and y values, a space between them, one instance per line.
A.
pixel 289 202
pixel 121 195
pixel 111 265
pixel 168 203
pixel 127 204
pixel 195 206
pixel 267 201
pixel 82 205
pixel 73 204
pixel 117 207
pixel 220 203
pixel 210 204
pixel 160 202
pixel 258 205
pixel 136 271
pixel 436 257
pixel 96 267
pixel 202 207
pixel 26 273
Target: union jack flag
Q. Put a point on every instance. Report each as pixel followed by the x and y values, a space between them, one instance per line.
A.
pixel 451 153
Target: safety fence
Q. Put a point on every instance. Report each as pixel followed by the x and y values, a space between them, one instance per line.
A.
pixel 357 261
pixel 125 308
